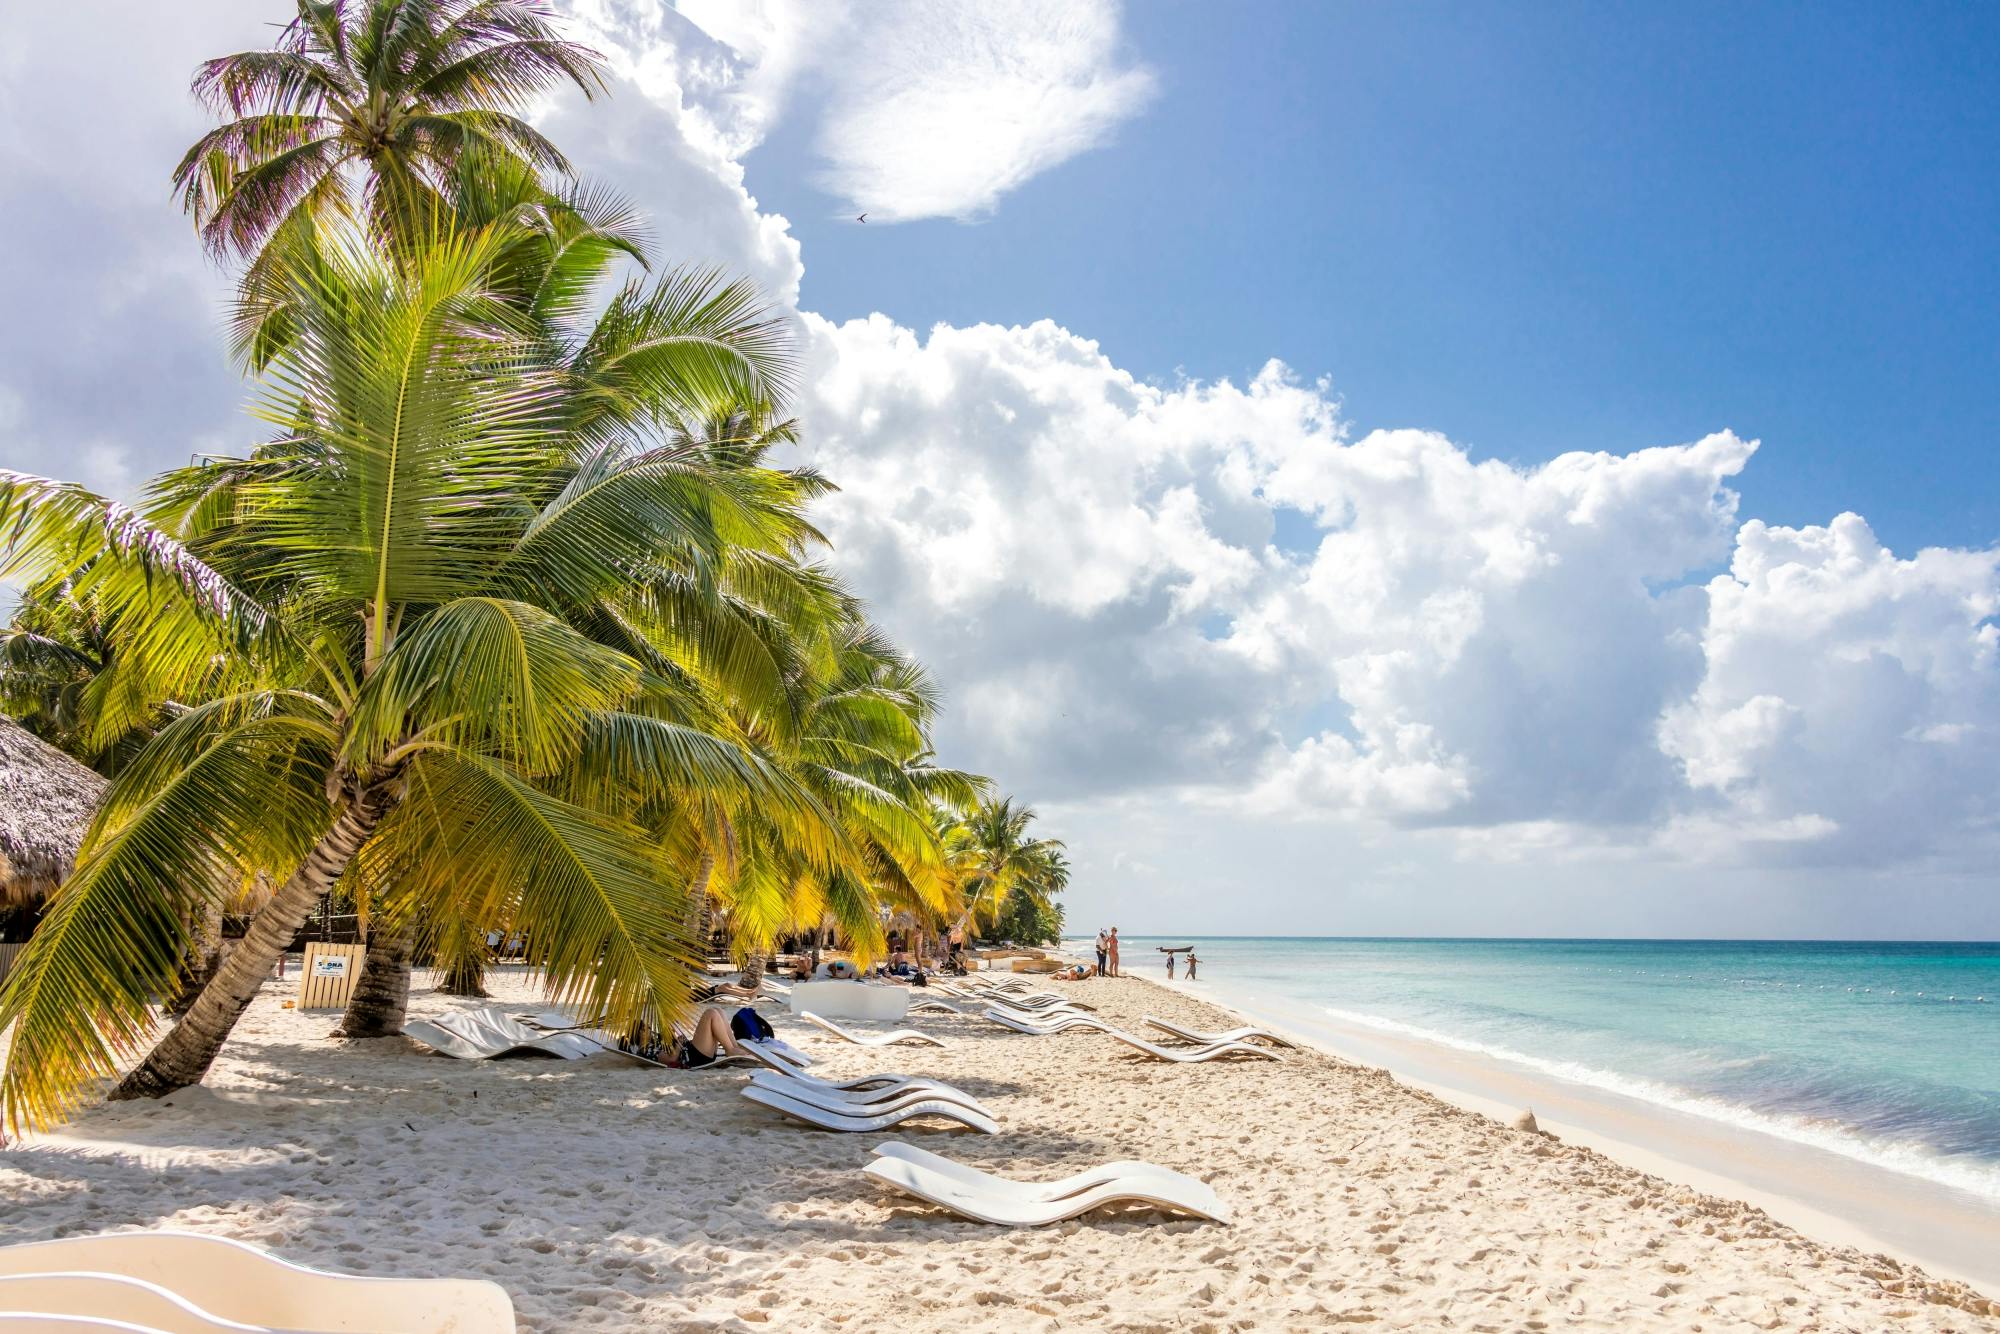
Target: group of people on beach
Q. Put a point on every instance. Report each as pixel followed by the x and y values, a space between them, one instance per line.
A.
pixel 1107 952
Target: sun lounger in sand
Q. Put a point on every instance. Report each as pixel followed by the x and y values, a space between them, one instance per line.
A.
pixel 863 1123
pixel 226 1280
pixel 983 1203
pixel 481 1035
pixel 865 1101
pixel 1089 1179
pixel 1246 1033
pixel 1070 1023
pixel 935 1006
pixel 103 1302
pixel 1035 1011
pixel 871 1039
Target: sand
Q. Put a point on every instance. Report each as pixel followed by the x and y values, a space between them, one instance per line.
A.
pixel 608 1196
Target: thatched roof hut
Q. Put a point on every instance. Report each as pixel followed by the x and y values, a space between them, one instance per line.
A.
pixel 46 801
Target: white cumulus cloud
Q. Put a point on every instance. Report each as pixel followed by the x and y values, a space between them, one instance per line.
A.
pixel 929 108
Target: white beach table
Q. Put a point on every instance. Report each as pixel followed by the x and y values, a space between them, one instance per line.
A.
pixel 850 1000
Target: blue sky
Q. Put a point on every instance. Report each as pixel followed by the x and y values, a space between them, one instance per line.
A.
pixel 1294 435
pixel 1535 228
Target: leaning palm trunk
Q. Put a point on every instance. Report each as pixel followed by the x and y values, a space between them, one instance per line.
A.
pixel 381 998
pixel 753 970
pixel 190 1047
pixel 203 958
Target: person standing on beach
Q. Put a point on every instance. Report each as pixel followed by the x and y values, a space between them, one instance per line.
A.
pixel 1114 951
pixel 1170 965
pixel 1191 963
pixel 1103 952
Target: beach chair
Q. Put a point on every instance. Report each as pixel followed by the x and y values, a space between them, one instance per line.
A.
pixel 105 1301
pixel 1030 1011
pixel 984 1202
pixel 227 1280
pixel 1247 1033
pixel 1089 1179
pixel 933 1005
pixel 865 1101
pixel 481 1035
pixel 1179 1055
pixel 871 1039
pixel 858 1122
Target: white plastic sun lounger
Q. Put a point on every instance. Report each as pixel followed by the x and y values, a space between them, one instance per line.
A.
pixel 486 1045
pixel 1089 1179
pixel 986 1205
pixel 120 1302
pixel 864 1083
pixel 230 1280
pixel 858 1122
pixel 1247 1033
pixel 1177 1054
pixel 865 1102
pixel 871 1039
pixel 935 1006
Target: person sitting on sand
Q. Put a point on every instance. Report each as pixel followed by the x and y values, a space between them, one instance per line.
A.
pixel 1191 963
pixel 802 968
pixel 1076 972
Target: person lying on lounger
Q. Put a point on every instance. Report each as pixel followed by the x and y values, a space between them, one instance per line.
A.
pixel 710 1042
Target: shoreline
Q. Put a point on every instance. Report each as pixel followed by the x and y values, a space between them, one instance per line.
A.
pixel 1912 1221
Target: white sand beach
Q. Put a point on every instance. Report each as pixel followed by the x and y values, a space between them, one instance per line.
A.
pixel 608 1196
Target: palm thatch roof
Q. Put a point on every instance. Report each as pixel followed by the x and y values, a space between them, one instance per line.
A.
pixel 46 801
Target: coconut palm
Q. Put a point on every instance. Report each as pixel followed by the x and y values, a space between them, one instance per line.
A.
pixel 995 858
pixel 365 109
pixel 406 590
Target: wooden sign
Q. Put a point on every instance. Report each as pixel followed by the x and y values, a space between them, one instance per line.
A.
pixel 326 981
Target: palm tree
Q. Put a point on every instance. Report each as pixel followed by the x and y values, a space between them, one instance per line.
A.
pixel 995 858
pixel 366 109
pixel 407 590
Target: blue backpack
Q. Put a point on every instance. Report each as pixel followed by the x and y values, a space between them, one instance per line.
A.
pixel 749 1026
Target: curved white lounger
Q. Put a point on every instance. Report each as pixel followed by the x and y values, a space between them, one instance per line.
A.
pixel 868 1124
pixel 1246 1033
pixel 113 1297
pixel 1182 1055
pixel 871 1039
pixel 935 1005
pixel 231 1280
pixel 39 1322
pixel 865 1102
pixel 875 1083
pixel 986 1206
pixel 1089 1179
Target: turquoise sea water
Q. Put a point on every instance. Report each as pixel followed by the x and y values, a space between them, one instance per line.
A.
pixel 1887 1053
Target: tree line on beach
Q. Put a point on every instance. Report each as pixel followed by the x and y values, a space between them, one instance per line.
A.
pixel 515 621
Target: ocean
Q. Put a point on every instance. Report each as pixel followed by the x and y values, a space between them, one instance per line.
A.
pixel 1885 1053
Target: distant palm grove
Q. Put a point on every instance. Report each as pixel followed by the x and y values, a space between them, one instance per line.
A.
pixel 514 623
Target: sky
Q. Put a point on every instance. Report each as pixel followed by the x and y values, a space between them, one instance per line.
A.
pixel 1354 469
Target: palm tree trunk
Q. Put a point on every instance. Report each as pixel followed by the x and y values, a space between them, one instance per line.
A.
pixel 753 970
pixel 467 977
pixel 203 958
pixel 381 998
pixel 190 1046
